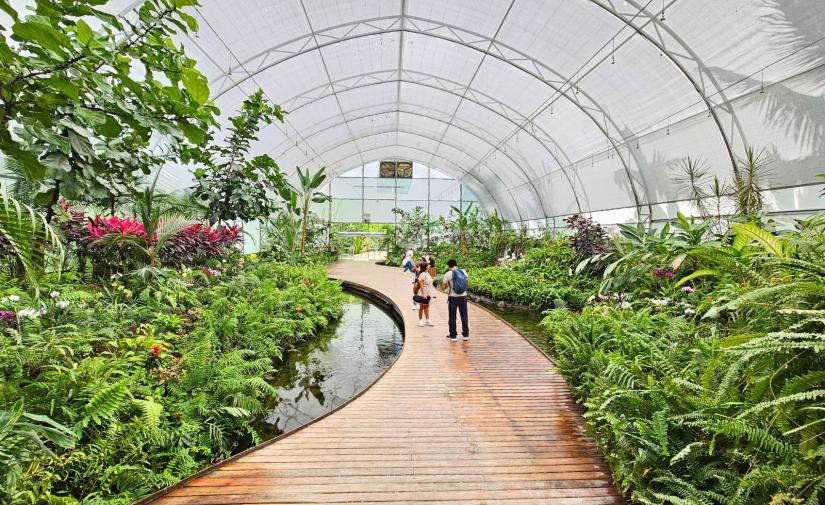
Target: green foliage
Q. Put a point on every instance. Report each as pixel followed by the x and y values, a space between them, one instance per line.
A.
pixel 229 184
pixel 27 241
pixel 75 118
pixel 542 280
pixel 725 408
pixel 101 425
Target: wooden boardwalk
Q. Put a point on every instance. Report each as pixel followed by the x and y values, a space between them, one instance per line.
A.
pixel 487 421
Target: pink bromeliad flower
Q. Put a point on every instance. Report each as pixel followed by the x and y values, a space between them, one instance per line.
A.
pixel 100 227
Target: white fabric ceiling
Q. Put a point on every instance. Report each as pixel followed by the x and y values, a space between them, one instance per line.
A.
pixel 542 107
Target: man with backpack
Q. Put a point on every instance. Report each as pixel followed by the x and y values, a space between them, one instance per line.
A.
pixel 455 281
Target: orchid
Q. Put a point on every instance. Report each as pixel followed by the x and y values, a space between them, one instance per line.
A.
pixel 29 313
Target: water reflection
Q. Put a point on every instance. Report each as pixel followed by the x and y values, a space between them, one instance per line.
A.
pixel 526 322
pixel 332 368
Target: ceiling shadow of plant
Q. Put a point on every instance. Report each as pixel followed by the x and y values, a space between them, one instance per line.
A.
pixel 798 114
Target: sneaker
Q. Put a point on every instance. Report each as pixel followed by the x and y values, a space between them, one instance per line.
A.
pixel 415 307
pixel 466 338
pixel 420 323
pixel 429 323
pixel 452 339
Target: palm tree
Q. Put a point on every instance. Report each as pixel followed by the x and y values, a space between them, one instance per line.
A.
pixel 308 193
pixel 28 239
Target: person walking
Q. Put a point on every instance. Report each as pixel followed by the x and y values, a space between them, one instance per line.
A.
pixel 424 296
pixel 407 262
pixel 455 281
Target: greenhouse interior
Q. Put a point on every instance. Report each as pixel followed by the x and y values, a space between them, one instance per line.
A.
pixel 407 251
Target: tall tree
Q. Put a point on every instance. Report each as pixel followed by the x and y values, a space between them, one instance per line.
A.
pixel 83 94
pixel 230 184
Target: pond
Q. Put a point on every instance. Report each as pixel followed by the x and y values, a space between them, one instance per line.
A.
pixel 525 322
pixel 333 367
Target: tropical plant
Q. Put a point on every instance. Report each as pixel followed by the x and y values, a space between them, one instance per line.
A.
pixel 589 240
pixel 307 192
pixel 229 184
pixel 460 224
pixel 79 63
pixel 27 240
pixel 143 388
pixel 749 181
pixel 22 436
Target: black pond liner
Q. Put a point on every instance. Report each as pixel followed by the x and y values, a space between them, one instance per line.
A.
pixel 380 300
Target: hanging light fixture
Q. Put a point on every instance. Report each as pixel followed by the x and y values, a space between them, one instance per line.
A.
pixel 613 52
pixel 662 19
pixel 762 84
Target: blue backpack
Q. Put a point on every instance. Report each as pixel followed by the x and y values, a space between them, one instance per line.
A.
pixel 459 285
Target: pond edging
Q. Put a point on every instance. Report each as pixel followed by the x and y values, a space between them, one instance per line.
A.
pixel 387 305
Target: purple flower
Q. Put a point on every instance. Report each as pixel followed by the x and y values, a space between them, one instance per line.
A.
pixel 657 272
pixel 668 274
pixel 688 289
pixel 602 298
pixel 6 316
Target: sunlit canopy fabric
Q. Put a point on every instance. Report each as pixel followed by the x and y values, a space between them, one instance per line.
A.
pixel 543 107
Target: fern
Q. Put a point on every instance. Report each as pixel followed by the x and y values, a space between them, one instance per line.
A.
pixel 106 402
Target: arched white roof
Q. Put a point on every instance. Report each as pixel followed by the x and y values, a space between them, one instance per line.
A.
pixel 543 107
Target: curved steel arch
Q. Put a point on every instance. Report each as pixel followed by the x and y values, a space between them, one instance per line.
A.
pixel 561 165
pixel 558 89
pixel 681 68
pixel 527 179
pixel 416 134
pixel 285 103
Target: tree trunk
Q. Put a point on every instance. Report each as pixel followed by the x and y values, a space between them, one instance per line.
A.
pixel 53 202
pixel 304 228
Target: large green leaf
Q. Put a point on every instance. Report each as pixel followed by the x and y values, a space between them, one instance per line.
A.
pixel 85 35
pixel 766 239
pixel 696 275
pixel 37 29
pixel 196 85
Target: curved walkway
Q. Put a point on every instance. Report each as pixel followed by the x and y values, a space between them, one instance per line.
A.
pixel 487 421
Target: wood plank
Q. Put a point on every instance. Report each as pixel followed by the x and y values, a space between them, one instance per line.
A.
pixel 488 421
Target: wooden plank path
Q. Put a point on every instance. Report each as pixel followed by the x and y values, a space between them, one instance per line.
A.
pixel 488 421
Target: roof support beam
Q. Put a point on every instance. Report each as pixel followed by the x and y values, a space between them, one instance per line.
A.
pixel 527 181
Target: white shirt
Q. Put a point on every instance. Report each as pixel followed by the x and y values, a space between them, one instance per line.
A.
pixel 448 278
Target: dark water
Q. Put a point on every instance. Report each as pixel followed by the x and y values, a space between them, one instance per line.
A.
pixel 333 367
pixel 526 322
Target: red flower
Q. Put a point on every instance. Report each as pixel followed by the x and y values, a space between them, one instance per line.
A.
pixel 100 227
pixel 299 309
pixel 156 350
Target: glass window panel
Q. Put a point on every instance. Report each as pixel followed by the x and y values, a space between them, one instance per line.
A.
pixel 380 211
pixel 371 169
pixel 346 188
pixel 412 189
pixel 445 190
pixel 467 194
pixel 379 189
pixel 346 211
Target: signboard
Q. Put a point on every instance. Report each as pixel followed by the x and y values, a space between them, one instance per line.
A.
pixel 395 170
